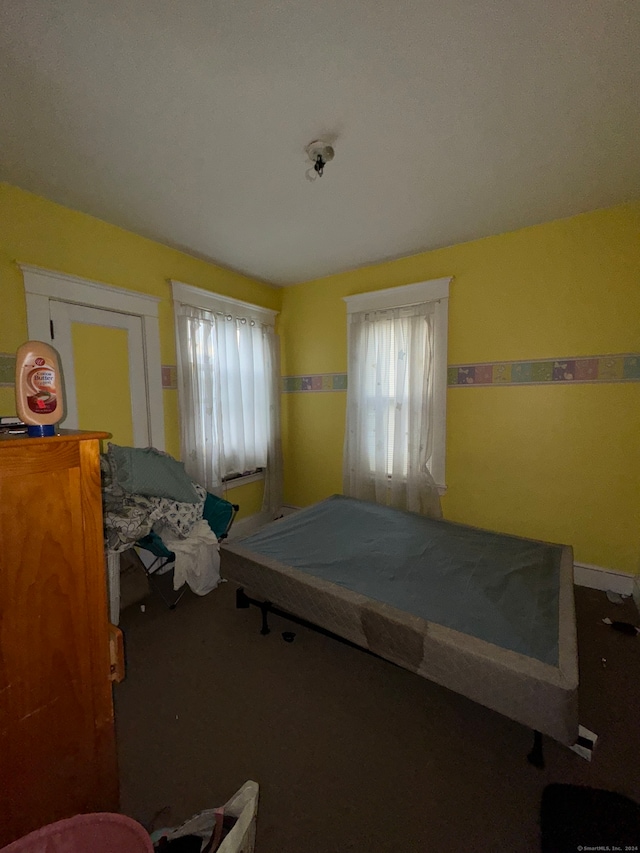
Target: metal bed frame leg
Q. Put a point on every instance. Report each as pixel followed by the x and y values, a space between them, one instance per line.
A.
pixel 243 602
pixel 265 607
pixel 536 756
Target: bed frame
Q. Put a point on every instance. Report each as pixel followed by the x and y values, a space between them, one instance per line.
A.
pixel 541 696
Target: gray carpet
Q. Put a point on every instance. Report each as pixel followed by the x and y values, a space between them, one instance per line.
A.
pixel 351 752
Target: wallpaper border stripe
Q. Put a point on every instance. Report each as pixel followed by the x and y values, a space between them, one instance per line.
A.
pixel 624 367
pixel 7 369
pixel 317 382
pixel 8 372
pixel 169 377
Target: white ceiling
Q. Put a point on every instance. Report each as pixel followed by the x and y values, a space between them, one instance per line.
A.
pixel 187 120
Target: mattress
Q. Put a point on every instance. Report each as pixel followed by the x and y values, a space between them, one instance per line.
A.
pixel 487 615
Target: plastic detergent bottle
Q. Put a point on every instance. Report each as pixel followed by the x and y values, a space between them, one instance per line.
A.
pixel 39 398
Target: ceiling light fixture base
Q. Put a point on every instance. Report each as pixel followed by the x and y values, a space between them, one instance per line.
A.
pixel 320 153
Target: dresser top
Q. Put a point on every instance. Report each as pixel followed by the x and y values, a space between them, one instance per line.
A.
pixel 61 435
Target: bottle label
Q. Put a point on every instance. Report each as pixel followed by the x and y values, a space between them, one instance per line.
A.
pixel 41 384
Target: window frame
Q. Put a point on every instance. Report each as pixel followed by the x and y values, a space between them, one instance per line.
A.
pixel 436 291
pixel 196 297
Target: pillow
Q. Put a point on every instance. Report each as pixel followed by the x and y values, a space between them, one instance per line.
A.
pixel 147 471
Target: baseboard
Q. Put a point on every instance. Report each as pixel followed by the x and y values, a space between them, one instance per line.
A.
pixel 608 580
pixel 287 509
pixel 246 526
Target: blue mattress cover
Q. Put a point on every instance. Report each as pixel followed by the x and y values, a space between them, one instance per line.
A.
pixel 499 588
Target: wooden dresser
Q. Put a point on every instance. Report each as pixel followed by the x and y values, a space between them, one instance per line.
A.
pixel 57 741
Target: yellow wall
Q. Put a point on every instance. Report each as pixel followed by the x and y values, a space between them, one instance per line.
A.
pixel 36 231
pixel 560 463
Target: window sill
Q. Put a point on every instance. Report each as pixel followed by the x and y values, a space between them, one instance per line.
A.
pixel 442 489
pixel 242 481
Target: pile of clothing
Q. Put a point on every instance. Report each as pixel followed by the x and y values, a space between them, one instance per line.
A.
pixel 145 490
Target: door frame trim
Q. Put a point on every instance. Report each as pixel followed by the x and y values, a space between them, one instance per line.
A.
pixel 42 285
pixel 64 315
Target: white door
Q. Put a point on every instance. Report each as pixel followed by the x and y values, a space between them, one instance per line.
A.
pixel 109 342
pixel 103 364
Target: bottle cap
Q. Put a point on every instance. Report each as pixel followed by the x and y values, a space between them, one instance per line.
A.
pixel 40 430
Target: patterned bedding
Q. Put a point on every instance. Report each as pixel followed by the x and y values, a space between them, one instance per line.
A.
pixel 129 517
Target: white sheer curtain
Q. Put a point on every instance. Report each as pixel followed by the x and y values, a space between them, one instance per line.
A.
pixel 389 433
pixel 272 501
pixel 229 399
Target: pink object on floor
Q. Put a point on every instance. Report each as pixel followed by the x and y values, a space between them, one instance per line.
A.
pixel 100 832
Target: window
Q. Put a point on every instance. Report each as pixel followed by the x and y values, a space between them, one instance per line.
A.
pixel 396 397
pixel 386 348
pixel 228 383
